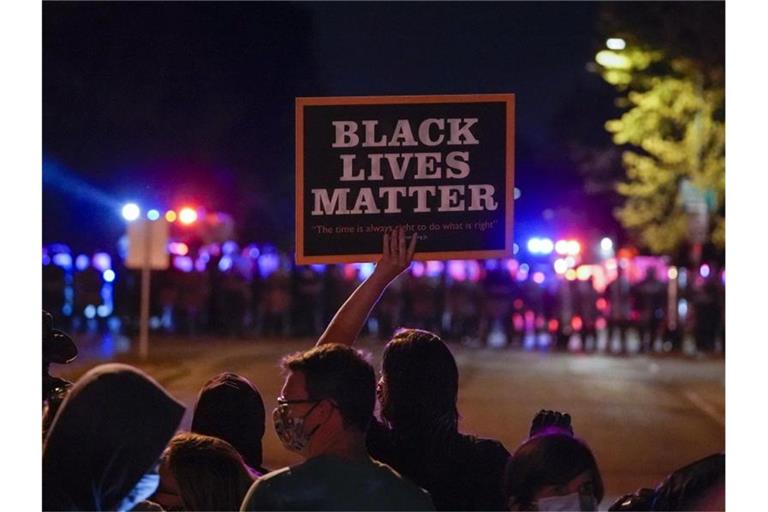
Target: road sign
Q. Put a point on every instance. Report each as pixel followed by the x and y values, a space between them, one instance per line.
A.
pixel 147 244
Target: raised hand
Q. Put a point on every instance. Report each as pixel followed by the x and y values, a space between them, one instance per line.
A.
pixel 396 257
pixel 551 422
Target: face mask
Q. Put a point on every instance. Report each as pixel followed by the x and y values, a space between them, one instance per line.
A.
pixel 290 430
pixel 144 488
pixel 569 502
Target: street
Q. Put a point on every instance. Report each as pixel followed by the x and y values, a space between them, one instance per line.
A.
pixel 643 416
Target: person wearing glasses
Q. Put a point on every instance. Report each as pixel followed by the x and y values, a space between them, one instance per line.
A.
pixel 323 413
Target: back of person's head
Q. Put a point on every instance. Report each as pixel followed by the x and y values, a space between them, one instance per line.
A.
pixel 552 466
pixel 421 382
pixel 106 439
pixel 231 408
pixel 342 375
pixel 697 486
pixel 208 471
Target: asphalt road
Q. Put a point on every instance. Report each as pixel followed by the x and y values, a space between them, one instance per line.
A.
pixel 643 416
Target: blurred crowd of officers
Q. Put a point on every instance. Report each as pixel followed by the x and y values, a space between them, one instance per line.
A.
pixel 495 308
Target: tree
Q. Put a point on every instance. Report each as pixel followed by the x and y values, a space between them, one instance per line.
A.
pixel 673 127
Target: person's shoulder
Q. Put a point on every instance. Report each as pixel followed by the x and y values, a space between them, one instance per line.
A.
pixel 485 449
pixel 410 493
pixel 265 487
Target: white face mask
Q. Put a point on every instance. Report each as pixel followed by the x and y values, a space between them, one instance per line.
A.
pixel 569 502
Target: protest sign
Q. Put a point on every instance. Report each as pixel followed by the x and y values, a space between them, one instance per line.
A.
pixel 442 166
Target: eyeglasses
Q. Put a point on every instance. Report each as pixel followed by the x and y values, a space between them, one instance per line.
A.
pixel 281 400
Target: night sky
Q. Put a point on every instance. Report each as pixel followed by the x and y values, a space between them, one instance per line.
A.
pixel 173 102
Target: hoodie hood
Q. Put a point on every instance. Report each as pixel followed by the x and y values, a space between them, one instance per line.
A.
pixel 109 432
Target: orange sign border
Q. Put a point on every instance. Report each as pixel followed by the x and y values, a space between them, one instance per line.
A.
pixel 301 102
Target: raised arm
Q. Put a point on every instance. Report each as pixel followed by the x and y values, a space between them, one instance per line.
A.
pixel 351 316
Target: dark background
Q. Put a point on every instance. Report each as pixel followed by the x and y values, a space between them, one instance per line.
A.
pixel 174 102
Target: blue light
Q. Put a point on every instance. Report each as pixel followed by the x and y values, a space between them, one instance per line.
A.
pixel 131 212
pixel 153 214
pixel 225 263
pixel 109 275
pixel 62 260
pixel 82 262
pixel 102 261
pixel 90 311
pixel 183 263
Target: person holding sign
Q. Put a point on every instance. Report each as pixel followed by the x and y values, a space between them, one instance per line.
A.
pixel 418 432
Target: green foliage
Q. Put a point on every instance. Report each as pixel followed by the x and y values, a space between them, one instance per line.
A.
pixel 673 129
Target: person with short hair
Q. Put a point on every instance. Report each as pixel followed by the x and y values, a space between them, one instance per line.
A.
pixel 207 471
pixel 418 391
pixel 553 471
pixel 323 413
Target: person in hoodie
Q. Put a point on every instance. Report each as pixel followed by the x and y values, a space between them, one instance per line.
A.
pixel 102 450
pixel 231 408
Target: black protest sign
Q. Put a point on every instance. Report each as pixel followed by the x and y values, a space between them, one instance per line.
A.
pixel 442 166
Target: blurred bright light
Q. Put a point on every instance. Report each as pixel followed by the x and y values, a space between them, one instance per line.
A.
pixel 583 272
pixel 456 270
pixel 131 212
pixel 108 275
pixel 606 244
pixel 103 311
pixel 538 277
pixel 102 261
pixel 153 214
pixel 515 248
pixel 570 274
pixel 518 193
pixel 187 215
pixel 615 43
pixel 417 269
pixel 90 311
pixel 183 263
pixel 560 266
pixel 170 216
pixel 229 247
pixel 613 60
pixel 561 247
pixel 704 271
pixel 577 323
pixel 540 246
pixel 574 247
pixel 570 261
pixel 82 262
pixel 178 248
pixel 672 273
pixel 434 268
pixel 63 260
pixel 225 263
pixel 366 269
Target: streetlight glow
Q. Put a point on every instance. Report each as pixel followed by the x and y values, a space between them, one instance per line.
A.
pixel 612 60
pixel 153 214
pixel 615 43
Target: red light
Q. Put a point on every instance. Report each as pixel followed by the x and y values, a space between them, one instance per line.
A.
pixel 553 325
pixel 577 323
pixel 601 304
